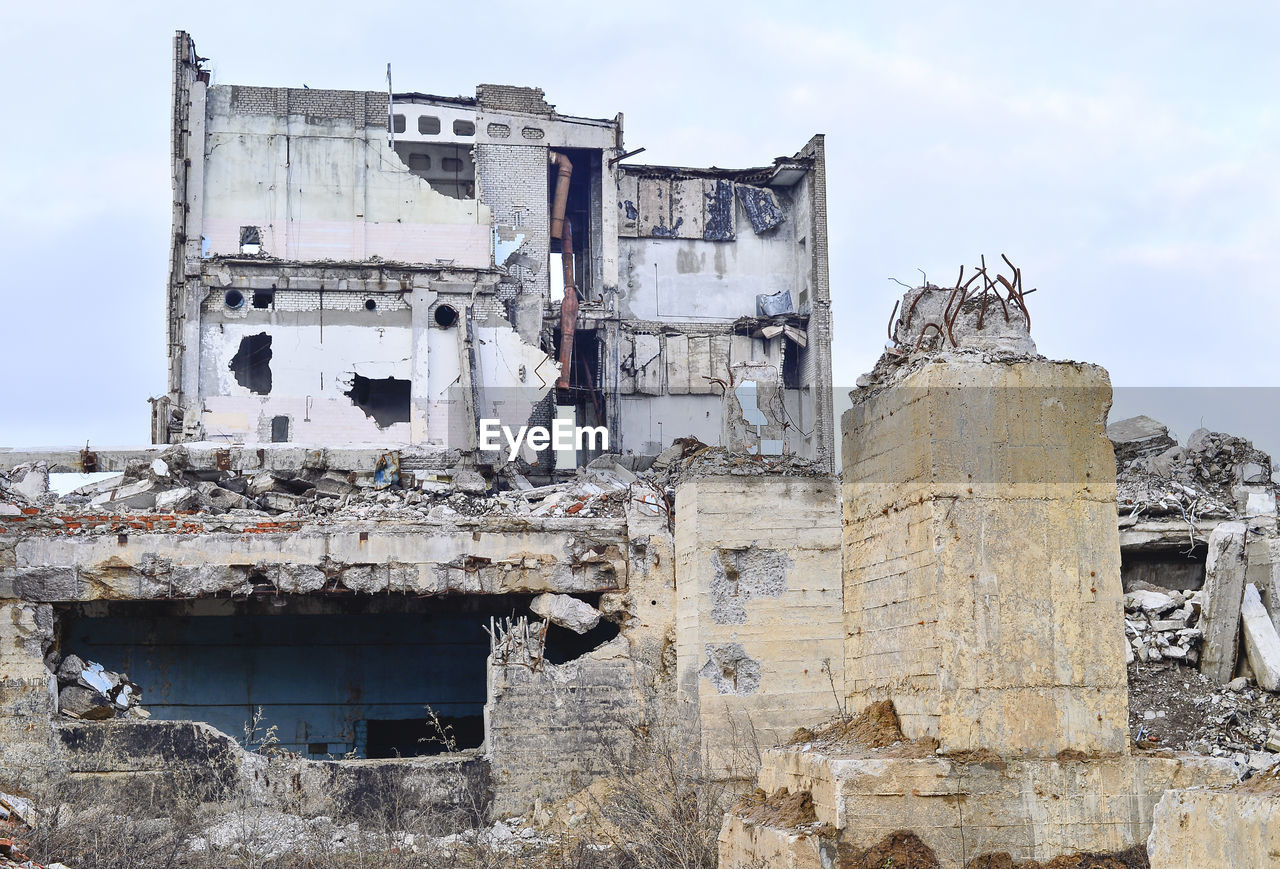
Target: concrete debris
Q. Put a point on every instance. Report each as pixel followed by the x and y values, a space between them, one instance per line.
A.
pixel 1138 437
pixel 88 690
pixel 1174 706
pixel 1161 625
pixel 1214 475
pixel 31 481
pixel 208 500
pixel 1261 642
pixel 566 611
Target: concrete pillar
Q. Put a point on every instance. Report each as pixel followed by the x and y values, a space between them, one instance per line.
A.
pixel 27 695
pixel 982 560
pixel 757 611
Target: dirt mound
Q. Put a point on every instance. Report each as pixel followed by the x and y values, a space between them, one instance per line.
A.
pixel 780 809
pixel 901 849
pixel 875 727
pixel 1132 858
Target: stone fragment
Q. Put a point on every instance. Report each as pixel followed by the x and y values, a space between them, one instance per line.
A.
pixel 33 483
pixel 70 668
pixel 470 482
pixel 136 495
pixel 566 611
pixel 86 703
pixel 1261 642
pixel 1138 436
pixel 1150 601
pixel 174 500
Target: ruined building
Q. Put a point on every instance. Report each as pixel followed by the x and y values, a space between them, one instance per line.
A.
pixel 352 266
pixel 316 596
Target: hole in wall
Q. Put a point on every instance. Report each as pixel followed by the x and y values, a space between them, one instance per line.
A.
pixel 264 298
pixel 250 240
pixel 385 401
pixel 252 363
pixel 446 316
pixel 428 125
pixel 464 128
pixel 279 429
pixel 397 123
pixel 234 299
pixel 370 305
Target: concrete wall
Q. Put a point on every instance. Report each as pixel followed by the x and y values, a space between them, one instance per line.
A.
pixel 757 610
pixel 315 173
pixel 982 562
pixel 480 556
pixel 1027 809
pixel 680 279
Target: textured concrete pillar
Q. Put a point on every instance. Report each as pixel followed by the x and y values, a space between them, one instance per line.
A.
pixel 981 556
pixel 757 611
pixel 26 694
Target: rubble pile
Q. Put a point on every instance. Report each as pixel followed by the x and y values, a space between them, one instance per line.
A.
pixel 170 486
pixel 1214 475
pixel 88 690
pixel 1160 624
pixel 1172 705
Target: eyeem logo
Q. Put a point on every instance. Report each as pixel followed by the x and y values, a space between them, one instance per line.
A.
pixel 563 435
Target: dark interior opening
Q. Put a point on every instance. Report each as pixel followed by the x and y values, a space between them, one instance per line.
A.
pixel 1175 569
pixel 263 298
pixel 386 401
pixel 445 316
pixel 792 364
pixel 252 363
pixel 279 429
pixel 234 299
pixel 333 674
pixel 582 193
pixel 409 737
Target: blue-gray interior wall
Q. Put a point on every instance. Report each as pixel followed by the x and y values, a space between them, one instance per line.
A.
pixel 316 676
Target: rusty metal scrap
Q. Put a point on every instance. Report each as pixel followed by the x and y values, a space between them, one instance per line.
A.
pixel 1003 290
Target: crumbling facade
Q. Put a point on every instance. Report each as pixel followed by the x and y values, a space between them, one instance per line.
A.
pixel 930 649
pixel 353 266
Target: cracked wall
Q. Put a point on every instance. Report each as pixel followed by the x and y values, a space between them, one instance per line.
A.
pixel 756 610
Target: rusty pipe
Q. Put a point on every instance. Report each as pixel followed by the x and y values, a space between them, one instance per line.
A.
pixel 568 309
pixel 561 200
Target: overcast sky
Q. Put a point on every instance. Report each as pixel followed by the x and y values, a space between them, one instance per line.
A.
pixel 1124 155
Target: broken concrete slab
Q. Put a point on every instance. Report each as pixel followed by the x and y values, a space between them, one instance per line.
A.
pixel 33 483
pixel 178 500
pixel 566 611
pixel 1138 436
pixel 80 702
pixel 138 495
pixel 1261 642
pixel 1225 567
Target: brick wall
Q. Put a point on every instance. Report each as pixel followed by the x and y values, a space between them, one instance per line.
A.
pixel 364 108
pixel 508 98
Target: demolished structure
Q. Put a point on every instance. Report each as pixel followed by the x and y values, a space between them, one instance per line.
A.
pixel 317 597
pixel 355 266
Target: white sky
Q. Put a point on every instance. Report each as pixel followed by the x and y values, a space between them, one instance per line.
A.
pixel 1124 155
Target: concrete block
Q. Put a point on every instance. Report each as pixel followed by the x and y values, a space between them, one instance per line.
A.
pixel 1193 829
pixel 1261 642
pixel 982 584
